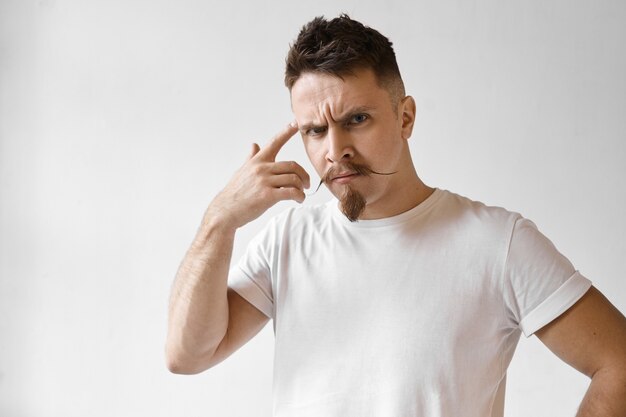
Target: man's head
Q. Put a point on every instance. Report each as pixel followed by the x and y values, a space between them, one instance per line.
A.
pixel 352 113
pixel 341 46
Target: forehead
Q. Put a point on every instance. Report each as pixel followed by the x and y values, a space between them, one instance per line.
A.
pixel 316 95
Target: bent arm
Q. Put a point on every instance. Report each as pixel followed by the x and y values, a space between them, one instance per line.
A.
pixel 591 337
pixel 207 322
pixel 198 310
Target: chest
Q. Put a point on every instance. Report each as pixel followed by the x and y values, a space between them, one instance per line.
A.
pixel 423 290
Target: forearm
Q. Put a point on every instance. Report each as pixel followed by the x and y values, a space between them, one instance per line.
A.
pixel 606 396
pixel 199 308
pixel 198 311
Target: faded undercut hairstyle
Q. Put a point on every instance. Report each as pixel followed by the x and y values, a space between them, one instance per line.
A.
pixel 339 47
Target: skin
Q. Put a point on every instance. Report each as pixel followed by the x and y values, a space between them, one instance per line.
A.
pixel 591 337
pixel 353 119
pixel 342 120
pixel 208 321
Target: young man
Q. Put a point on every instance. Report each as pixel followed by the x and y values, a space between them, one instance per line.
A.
pixel 396 299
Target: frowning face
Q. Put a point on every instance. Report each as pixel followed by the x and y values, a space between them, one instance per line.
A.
pixel 352 120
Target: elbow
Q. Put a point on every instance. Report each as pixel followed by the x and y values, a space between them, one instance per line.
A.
pixel 180 368
pixel 180 364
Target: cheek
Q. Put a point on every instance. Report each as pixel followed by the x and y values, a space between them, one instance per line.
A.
pixel 381 151
pixel 375 145
pixel 317 155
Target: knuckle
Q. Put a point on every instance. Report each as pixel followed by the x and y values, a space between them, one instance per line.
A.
pixel 303 172
pixel 295 193
pixel 265 193
pixel 300 196
pixel 258 169
pixel 285 194
pixel 261 183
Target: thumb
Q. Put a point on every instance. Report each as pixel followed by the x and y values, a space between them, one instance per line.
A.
pixel 255 149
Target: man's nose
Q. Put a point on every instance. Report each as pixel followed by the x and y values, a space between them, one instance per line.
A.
pixel 339 145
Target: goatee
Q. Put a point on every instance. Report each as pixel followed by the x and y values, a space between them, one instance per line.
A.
pixel 352 204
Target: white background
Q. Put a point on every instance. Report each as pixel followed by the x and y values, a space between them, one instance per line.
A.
pixel 120 120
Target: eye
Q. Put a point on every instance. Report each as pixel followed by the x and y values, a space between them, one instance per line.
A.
pixel 316 131
pixel 358 118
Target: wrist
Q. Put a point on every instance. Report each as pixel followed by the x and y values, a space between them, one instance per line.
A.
pixel 219 219
pixel 212 233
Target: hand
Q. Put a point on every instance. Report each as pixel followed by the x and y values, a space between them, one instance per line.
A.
pixel 259 184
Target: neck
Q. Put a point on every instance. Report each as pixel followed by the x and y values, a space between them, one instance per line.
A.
pixel 408 192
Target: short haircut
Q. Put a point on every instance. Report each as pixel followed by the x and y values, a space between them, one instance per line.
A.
pixel 339 47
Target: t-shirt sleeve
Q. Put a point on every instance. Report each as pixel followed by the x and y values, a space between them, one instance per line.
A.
pixel 251 276
pixel 541 283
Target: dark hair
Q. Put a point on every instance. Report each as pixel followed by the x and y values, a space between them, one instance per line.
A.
pixel 340 46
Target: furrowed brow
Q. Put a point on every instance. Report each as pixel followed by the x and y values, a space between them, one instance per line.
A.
pixel 345 118
pixel 308 126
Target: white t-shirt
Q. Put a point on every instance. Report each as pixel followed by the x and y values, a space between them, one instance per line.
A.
pixel 413 315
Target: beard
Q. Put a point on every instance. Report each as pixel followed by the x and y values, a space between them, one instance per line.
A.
pixel 352 203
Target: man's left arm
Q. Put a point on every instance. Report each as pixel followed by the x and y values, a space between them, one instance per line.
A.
pixel 591 337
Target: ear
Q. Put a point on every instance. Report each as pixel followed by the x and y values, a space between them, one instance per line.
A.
pixel 407 115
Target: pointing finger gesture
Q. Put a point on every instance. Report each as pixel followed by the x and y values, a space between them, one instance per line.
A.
pixel 271 149
pixel 260 183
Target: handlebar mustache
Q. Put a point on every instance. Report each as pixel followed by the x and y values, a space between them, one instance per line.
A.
pixel 360 169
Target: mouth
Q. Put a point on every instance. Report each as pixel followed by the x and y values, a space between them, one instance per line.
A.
pixel 344 177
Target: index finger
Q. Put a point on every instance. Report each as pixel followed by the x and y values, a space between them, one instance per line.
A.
pixel 272 148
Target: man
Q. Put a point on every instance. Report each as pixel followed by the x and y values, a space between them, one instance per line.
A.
pixel 397 299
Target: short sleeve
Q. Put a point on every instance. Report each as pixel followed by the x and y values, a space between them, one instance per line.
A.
pixel 251 277
pixel 541 283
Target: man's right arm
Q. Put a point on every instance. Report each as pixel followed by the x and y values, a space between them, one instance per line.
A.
pixel 207 321
pixel 202 308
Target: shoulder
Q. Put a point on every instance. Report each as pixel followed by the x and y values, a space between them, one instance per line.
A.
pixel 465 213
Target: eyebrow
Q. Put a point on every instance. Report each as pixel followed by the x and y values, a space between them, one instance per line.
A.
pixel 341 120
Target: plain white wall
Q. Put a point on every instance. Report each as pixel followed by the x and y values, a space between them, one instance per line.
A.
pixel 119 120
